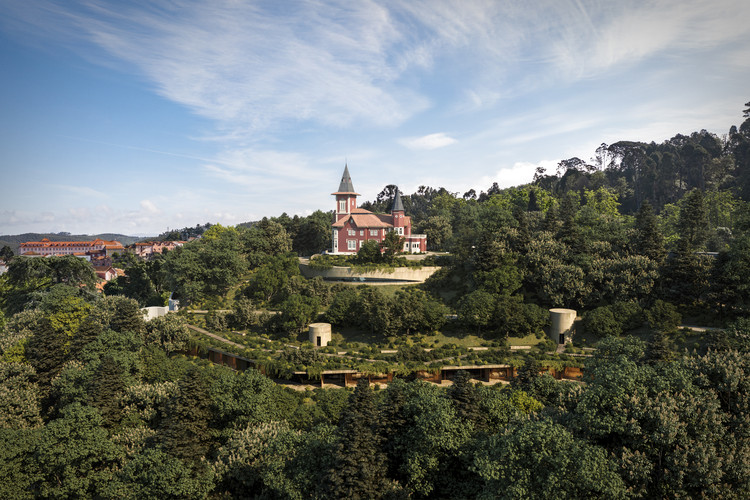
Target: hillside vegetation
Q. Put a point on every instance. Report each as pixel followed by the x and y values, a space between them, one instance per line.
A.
pixel 642 239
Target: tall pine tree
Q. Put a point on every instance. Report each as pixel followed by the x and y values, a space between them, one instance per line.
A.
pixel 693 221
pixel 648 238
pixel 106 389
pixel 359 465
pixel 47 350
pixel 127 316
pixel 658 349
pixel 185 430
pixel 466 399
pixel 391 422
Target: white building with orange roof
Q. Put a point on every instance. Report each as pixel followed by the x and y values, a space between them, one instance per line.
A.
pixel 97 249
pixel 106 273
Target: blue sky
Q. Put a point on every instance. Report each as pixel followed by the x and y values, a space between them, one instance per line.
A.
pixel 138 116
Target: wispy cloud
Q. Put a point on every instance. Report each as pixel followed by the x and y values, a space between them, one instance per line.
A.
pixel 594 37
pixel 431 141
pixel 83 191
pixel 252 68
pixel 149 207
pixel 263 172
pixel 256 66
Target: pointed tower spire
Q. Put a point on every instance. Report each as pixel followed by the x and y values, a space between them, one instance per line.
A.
pixel 346 185
pixel 346 198
pixel 398 205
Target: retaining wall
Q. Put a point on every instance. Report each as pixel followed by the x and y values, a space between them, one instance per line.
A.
pixel 406 274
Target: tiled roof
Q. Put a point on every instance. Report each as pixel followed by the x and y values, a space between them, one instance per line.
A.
pixel 159 243
pixel 387 219
pixel 365 219
pixel 47 243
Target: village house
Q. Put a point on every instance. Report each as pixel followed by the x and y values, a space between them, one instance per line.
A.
pixel 106 273
pixel 146 249
pixel 353 226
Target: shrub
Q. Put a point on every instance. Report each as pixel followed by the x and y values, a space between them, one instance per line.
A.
pixel 217 321
pixel 515 318
pixel 602 322
pixel 663 316
pixel 343 309
pixel 629 314
pixel 243 313
pixel 296 312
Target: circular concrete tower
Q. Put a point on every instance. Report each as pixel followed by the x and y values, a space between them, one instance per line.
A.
pixel 320 334
pixel 561 329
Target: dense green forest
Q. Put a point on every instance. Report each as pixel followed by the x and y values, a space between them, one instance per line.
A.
pixel 643 238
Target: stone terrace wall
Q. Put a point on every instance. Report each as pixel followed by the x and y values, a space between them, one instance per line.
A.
pixel 406 274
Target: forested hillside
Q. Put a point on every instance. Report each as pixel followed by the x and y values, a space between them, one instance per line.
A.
pixel 640 241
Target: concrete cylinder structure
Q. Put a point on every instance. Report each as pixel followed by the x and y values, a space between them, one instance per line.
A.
pixel 320 334
pixel 561 328
pixel 152 312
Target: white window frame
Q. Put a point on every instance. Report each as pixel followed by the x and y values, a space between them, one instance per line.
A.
pixel 373 232
pixel 342 205
pixel 351 244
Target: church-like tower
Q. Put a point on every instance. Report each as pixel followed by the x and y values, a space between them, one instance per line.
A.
pixel 399 215
pixel 346 197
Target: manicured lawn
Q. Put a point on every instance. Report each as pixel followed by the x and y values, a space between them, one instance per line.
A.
pixel 387 290
pixel 365 337
pixel 530 339
pixel 461 340
pixel 360 336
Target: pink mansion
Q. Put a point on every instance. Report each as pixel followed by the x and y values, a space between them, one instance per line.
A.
pixel 353 226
